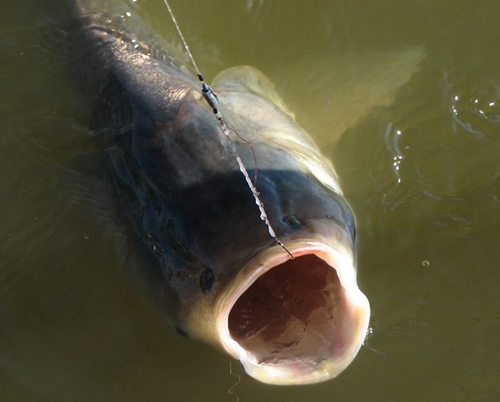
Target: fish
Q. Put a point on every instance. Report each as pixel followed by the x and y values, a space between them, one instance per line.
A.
pixel 214 270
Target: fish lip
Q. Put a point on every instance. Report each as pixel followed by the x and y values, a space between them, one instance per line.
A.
pixel 357 311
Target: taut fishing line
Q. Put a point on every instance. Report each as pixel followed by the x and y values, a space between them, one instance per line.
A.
pixel 238 380
pixel 213 102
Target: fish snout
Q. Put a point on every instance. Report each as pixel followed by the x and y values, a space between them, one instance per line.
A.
pixel 295 321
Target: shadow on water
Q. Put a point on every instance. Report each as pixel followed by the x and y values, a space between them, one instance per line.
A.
pixel 422 174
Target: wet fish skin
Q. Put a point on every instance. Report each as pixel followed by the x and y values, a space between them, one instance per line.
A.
pixel 181 188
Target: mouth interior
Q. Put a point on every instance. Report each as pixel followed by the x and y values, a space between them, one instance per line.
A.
pixel 291 314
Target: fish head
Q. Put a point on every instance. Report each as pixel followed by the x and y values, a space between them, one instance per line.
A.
pixel 291 321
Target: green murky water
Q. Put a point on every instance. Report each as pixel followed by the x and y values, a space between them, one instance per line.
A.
pixel 422 173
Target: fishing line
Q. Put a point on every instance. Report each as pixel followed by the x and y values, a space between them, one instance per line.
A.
pixel 213 101
pixel 238 380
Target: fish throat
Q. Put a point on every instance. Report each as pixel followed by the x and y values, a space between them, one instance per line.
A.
pixel 290 313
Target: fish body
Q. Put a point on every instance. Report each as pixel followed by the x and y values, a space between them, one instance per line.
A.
pixel 215 271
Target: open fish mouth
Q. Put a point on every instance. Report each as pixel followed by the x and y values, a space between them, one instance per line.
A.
pixel 295 321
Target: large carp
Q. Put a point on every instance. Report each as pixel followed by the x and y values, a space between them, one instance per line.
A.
pixel 216 272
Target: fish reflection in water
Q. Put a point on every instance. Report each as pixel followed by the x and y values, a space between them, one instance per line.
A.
pixel 213 269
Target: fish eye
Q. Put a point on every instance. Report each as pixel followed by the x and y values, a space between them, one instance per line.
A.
pixel 207 280
pixel 292 221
